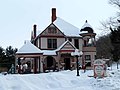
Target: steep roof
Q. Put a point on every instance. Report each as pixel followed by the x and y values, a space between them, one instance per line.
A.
pixel 67 28
pixel 86 25
pixel 86 28
pixel 28 48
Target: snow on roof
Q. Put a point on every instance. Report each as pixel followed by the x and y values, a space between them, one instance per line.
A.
pixel 53 52
pixel 49 52
pixel 86 25
pixel 67 28
pixel 28 47
pixel 83 32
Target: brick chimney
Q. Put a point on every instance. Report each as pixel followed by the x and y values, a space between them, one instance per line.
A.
pixel 53 14
pixel 34 30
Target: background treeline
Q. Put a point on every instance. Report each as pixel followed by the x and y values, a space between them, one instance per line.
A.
pixel 108 46
pixel 7 57
pixel 104 47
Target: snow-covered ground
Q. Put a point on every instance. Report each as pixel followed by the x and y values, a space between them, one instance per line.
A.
pixel 63 80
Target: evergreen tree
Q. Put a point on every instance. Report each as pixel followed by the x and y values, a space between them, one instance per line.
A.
pixel 104 47
pixel 10 55
pixel 115 40
pixel 2 54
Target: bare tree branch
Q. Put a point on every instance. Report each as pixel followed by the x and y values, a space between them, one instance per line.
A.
pixel 115 3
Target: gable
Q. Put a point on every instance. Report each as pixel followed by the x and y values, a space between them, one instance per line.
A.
pixel 52 30
pixel 67 46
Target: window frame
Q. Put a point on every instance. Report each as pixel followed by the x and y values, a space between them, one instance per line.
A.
pixel 51 43
pixel 87 57
pixel 76 43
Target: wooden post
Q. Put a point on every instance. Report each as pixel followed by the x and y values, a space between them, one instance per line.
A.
pixel 35 65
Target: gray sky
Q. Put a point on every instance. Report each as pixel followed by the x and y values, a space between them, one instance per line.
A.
pixel 18 16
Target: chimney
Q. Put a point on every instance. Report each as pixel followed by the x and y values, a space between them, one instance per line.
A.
pixel 34 30
pixel 53 14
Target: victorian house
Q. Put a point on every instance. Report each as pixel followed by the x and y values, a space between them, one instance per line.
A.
pixel 51 48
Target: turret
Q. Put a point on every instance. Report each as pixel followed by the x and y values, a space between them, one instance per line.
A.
pixel 88 35
pixel 89 45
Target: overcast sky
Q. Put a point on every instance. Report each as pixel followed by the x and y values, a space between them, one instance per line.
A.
pixel 18 16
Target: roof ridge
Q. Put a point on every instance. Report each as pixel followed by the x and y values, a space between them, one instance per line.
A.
pixel 67 28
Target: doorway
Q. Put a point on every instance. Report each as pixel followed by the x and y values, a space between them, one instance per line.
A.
pixel 50 61
pixel 67 63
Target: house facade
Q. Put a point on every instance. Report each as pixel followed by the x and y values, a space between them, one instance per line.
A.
pixel 51 48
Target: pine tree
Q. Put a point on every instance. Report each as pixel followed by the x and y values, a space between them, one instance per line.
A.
pixel 2 54
pixel 10 55
pixel 115 40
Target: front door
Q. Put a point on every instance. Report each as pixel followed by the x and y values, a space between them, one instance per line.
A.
pixel 67 63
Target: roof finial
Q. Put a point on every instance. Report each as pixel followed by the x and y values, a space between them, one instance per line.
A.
pixel 86 21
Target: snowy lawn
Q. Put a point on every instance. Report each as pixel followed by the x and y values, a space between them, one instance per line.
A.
pixel 63 80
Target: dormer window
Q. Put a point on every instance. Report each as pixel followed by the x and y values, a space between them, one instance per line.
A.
pixel 52 29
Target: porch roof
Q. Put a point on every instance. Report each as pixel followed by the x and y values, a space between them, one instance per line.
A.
pixel 28 49
pixel 49 52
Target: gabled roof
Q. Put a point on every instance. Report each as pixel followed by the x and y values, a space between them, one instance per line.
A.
pixel 29 48
pixel 65 44
pixel 51 25
pixel 67 28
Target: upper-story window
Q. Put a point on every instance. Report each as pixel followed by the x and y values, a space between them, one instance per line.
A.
pixel 52 43
pixel 76 43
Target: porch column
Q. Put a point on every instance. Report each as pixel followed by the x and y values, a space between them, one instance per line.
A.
pixel 35 65
pixel 59 57
pixel 16 64
pixel 41 64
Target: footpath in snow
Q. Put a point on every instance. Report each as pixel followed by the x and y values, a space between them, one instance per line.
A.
pixel 63 80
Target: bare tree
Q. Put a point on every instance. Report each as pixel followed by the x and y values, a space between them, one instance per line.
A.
pixel 112 21
pixel 115 3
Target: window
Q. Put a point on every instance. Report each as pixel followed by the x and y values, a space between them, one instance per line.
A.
pixel 38 42
pixel 52 30
pixel 76 43
pixel 95 57
pixel 88 60
pixel 52 43
pixel 85 43
pixel 87 57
